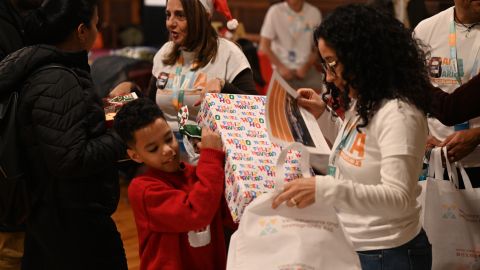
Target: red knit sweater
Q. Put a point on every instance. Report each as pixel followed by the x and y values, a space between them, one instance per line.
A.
pixel 169 205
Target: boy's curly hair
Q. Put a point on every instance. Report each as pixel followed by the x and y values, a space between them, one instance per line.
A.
pixel 380 57
pixel 135 115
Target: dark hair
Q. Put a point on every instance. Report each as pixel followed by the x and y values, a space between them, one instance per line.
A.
pixel 380 57
pixel 201 36
pixel 55 20
pixel 135 115
pixel 382 6
pixel 25 5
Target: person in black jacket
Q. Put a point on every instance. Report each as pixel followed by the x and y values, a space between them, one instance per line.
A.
pixel 69 152
pixel 12 38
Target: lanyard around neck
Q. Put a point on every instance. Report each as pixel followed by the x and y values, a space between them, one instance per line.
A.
pixel 180 83
pixel 346 132
pixel 452 43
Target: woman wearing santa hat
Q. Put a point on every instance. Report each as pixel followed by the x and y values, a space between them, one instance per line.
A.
pixel 196 60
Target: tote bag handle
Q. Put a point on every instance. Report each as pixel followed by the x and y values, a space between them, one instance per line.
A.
pixel 303 163
pixel 436 170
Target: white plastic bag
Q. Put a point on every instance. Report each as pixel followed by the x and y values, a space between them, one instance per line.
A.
pixel 290 238
pixel 452 217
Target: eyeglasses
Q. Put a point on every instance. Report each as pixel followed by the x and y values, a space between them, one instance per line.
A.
pixel 330 67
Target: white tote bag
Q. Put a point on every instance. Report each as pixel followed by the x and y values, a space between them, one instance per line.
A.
pixel 452 217
pixel 289 238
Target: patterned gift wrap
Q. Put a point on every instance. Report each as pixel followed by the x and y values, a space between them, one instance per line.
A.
pixel 250 156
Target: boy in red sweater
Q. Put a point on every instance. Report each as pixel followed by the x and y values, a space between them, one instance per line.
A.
pixel 177 206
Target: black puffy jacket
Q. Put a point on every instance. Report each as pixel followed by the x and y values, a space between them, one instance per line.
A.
pixel 69 152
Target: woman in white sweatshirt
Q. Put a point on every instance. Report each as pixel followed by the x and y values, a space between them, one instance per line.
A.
pixel 379 71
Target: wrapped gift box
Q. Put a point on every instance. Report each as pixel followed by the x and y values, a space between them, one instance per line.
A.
pixel 250 156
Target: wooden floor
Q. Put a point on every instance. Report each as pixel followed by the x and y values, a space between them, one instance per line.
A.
pixel 126 225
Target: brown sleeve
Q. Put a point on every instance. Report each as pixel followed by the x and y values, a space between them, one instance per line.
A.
pixel 461 105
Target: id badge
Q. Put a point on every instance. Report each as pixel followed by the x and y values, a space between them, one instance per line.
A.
pixel 292 56
pixel 331 170
pixel 162 80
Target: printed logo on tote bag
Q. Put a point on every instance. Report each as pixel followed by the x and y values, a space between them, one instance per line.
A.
pixel 269 226
pixel 449 211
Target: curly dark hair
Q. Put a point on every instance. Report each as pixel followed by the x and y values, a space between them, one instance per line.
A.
pixel 381 59
pixel 133 116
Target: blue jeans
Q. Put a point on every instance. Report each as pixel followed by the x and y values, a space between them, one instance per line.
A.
pixel 414 255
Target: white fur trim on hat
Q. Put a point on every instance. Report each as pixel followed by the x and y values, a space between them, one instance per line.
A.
pixel 232 24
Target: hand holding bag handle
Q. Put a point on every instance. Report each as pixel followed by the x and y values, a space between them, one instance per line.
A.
pixel 452 172
pixel 436 169
pixel 303 163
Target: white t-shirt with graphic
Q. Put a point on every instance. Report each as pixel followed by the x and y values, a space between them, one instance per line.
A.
pixel 229 62
pixel 434 32
pixel 375 188
pixel 291 31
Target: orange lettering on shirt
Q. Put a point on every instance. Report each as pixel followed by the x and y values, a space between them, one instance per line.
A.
pixel 359 144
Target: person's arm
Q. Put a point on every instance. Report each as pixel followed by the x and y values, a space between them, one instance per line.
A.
pixel 398 181
pixel 303 70
pixel 152 88
pixel 243 84
pixel 172 210
pixel 459 106
pixel 394 193
pixel 60 122
pixel 400 137
pixel 266 48
pixel 312 102
pixel 461 143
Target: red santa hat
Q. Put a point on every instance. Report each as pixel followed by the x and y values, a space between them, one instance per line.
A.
pixel 221 6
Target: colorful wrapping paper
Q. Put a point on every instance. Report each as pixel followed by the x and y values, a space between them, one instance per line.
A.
pixel 250 156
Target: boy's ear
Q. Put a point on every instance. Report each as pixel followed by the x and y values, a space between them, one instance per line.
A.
pixel 81 32
pixel 134 155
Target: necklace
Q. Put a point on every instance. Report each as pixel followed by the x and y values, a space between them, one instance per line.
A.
pixel 468 28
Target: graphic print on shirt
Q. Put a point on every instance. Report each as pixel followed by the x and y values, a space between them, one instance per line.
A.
pixel 191 84
pixel 354 150
pixel 443 70
pixel 299 24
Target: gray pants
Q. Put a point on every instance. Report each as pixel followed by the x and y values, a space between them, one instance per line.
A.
pixel 314 80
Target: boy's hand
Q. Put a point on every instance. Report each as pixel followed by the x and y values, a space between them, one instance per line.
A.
pixel 210 139
pixel 195 142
